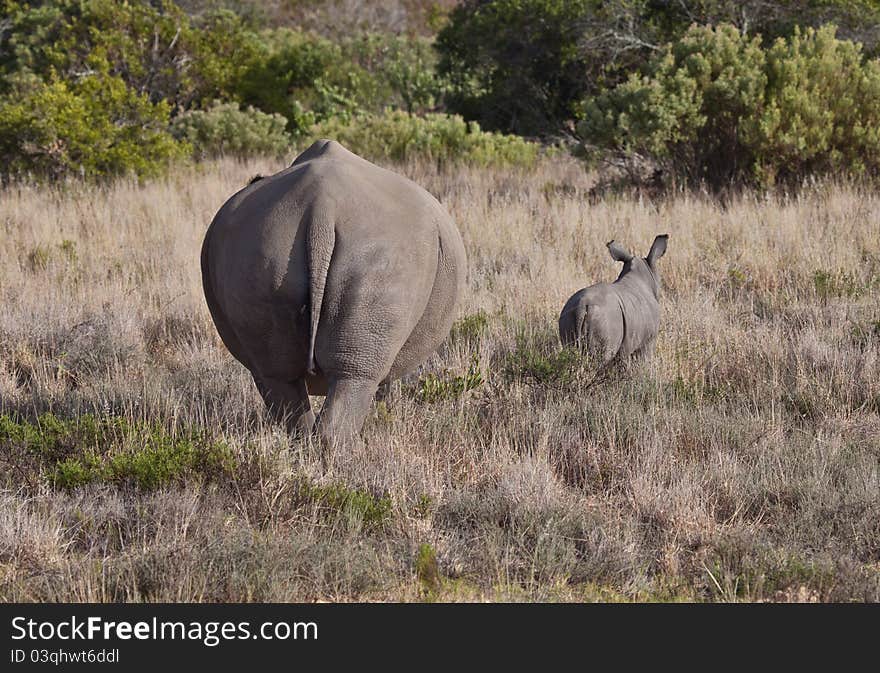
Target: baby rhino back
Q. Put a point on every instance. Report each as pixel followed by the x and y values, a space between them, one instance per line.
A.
pixel 620 319
pixel 640 311
pixel 592 320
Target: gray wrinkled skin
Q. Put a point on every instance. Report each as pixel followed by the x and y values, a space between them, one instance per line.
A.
pixel 329 278
pixel 620 319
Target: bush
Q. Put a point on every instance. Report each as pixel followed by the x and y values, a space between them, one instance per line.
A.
pixel 686 116
pixel 335 18
pixel 470 328
pixel 398 136
pixel 309 78
pixel 88 449
pixel 226 130
pixel 155 48
pixel 285 76
pixel 433 388
pixel 515 65
pixel 822 110
pixel 524 66
pixel 94 127
pixel 530 364
pixel 718 109
pixel 402 70
pixel 428 571
pixel 857 19
pixel 338 503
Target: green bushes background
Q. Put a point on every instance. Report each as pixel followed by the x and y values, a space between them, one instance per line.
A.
pixel 700 92
pixel 717 109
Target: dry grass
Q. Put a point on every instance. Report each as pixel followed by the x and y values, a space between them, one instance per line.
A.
pixel 741 463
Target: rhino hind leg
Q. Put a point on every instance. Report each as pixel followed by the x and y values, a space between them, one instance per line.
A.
pixel 288 403
pixel 646 351
pixel 345 409
pixel 383 392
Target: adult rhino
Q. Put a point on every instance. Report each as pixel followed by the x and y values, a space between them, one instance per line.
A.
pixel 619 319
pixel 330 278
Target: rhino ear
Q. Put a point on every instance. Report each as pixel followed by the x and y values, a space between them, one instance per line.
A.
pixel 618 252
pixel 658 249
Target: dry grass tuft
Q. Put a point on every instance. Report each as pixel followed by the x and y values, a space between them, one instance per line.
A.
pixel 741 463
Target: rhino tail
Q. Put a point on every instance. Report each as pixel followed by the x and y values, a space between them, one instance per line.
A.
pixel 320 242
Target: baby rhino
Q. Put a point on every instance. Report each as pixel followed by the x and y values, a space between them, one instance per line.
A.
pixel 619 319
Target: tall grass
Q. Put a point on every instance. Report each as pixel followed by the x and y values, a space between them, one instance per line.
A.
pixel 741 463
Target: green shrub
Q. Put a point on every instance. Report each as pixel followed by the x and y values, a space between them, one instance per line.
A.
pixel 687 116
pixel 428 571
pixel 770 20
pixel 718 109
pixel 284 76
pixel 225 129
pixel 38 258
pixel 425 504
pixel 840 283
pixel 111 449
pixel 524 66
pixel 398 136
pixel 528 363
pixel 397 71
pixel 438 387
pixel 469 328
pixel 308 78
pixel 863 334
pixel 224 51
pixel 155 48
pixel 94 127
pixel 353 506
pixel 515 65
pixel 822 110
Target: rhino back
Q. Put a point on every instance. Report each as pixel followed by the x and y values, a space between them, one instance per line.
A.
pixel 386 247
pixel 397 270
pixel 439 313
pixel 256 237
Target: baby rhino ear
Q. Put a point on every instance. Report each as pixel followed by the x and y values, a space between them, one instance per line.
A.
pixel 658 249
pixel 618 252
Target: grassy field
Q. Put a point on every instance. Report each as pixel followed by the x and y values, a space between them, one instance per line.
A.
pixel 742 463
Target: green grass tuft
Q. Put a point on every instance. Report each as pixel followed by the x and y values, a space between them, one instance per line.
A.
pixel 529 363
pixel 438 387
pixel 111 449
pixel 428 572
pixel 349 504
pixel 470 328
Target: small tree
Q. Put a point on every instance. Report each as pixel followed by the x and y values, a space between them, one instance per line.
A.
pixel 226 130
pixel 822 112
pixel 95 127
pixel 687 116
pixel 718 109
pixel 155 48
pixel 516 65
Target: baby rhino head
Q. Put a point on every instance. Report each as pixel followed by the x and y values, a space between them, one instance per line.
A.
pixel 643 269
